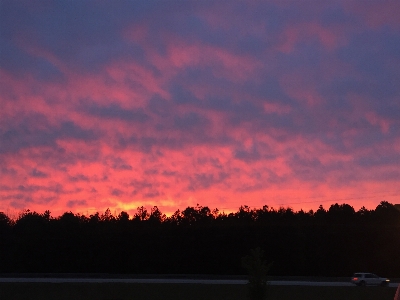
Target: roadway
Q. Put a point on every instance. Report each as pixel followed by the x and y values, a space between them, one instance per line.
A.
pixel 175 281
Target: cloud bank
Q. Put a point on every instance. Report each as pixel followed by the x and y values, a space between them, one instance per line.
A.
pixel 222 103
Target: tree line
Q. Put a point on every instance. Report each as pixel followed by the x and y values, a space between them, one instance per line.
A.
pixel 197 240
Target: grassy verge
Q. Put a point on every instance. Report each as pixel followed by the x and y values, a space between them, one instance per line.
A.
pixel 125 291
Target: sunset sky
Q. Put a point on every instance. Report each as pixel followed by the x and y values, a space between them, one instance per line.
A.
pixel 120 104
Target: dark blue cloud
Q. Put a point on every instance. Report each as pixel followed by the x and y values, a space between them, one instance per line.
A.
pixel 160 107
pixel 117 192
pixel 29 188
pixel 69 129
pixel 18 62
pixel 152 194
pixel 37 173
pixel 372 54
pixel 182 96
pixel 85 35
pixel 191 122
pixel 379 159
pixel 74 203
pixel 114 111
pixel 247 156
pixel 205 180
pixel 79 177
pixel 120 164
pixel 268 88
pixel 35 131
pixel 335 16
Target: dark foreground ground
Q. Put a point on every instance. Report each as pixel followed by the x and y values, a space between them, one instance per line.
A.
pixel 126 291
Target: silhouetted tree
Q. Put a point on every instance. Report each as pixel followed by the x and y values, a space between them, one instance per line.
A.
pixel 363 213
pixel 245 214
pixel 141 214
pixel 257 268
pixel 386 212
pixel 156 216
pixel 107 216
pixel 123 217
pixel 95 218
pixel 5 221
pixel 342 213
pixel 175 218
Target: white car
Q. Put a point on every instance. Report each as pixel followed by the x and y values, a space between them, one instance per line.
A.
pixel 363 279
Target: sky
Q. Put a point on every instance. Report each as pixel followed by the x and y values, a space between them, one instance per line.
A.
pixel 122 104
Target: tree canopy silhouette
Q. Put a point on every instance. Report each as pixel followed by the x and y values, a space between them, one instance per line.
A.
pixel 326 242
